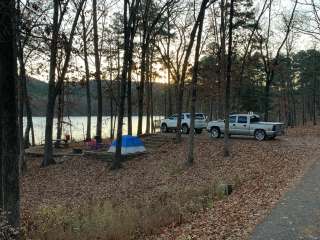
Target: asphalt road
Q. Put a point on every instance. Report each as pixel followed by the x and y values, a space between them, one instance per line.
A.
pixel 297 215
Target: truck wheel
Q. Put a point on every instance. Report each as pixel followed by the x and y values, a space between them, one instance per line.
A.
pixel 164 128
pixel 215 132
pixel 260 134
pixel 198 130
pixel 185 129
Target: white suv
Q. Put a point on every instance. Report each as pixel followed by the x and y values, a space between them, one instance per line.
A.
pixel 171 123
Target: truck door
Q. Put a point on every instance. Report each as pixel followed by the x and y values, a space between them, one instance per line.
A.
pixel 232 124
pixel 242 125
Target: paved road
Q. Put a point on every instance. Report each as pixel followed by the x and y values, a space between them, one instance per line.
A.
pixel 297 215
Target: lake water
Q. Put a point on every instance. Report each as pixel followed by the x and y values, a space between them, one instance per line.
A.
pixel 78 127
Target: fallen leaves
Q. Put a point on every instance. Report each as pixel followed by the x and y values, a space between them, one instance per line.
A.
pixel 262 172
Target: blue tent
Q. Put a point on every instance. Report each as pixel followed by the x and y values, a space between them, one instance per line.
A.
pixel 130 145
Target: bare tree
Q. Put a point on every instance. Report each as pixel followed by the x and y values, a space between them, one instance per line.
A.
pixel 87 74
pixel 269 65
pixel 148 31
pixel 56 86
pixel 226 149
pixel 181 77
pixel 98 71
pixel 128 22
pixel 194 82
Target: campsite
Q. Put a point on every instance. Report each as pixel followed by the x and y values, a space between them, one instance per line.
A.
pixel 159 119
pixel 155 196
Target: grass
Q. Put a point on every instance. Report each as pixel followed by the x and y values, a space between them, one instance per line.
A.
pixel 99 219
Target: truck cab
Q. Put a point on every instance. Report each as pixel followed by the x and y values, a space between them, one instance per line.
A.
pixel 246 124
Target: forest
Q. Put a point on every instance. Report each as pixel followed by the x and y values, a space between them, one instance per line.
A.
pixel 139 60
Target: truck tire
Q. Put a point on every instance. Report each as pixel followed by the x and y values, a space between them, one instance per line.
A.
pixel 198 130
pixel 185 129
pixel 260 134
pixel 164 128
pixel 215 132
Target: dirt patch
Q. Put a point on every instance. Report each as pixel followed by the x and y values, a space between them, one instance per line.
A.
pixel 261 171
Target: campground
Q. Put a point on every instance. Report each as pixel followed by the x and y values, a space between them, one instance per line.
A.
pixel 155 196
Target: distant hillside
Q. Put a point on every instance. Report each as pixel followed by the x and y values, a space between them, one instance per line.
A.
pixel 76 98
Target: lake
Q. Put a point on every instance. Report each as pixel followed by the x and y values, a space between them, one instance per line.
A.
pixel 78 127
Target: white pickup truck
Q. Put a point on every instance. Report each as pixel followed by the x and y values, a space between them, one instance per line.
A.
pixel 246 124
pixel 171 123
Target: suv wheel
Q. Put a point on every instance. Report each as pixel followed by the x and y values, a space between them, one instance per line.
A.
pixel 185 129
pixel 164 128
pixel 215 132
pixel 260 134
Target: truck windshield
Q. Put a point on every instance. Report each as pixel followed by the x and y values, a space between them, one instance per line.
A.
pixel 254 119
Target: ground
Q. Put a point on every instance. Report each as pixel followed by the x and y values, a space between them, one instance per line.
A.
pixel 261 172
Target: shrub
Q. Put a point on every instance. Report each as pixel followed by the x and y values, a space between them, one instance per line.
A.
pixel 101 219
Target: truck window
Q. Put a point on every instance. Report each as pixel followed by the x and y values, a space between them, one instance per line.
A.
pixel 200 116
pixel 254 119
pixel 242 119
pixel 232 119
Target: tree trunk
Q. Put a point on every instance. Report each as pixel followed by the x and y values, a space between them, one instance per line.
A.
pixel 55 88
pixel 148 78
pixel 129 99
pixel 194 87
pixel 29 126
pixel 116 163
pixel 144 54
pixel 152 108
pixel 222 64
pixel 111 104
pixel 48 155
pixel 181 78
pixel 129 90
pixel 87 77
pixel 314 95
pixel 60 116
pixel 21 97
pixel 97 66
pixel 9 129
pixel 168 66
pixel 226 149
pixel 267 99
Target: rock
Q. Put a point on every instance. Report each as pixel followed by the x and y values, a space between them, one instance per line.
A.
pixel 223 190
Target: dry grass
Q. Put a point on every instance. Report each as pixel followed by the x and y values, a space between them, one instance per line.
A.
pixel 129 220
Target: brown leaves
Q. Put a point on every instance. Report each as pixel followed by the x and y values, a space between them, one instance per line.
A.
pixel 261 171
